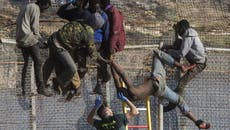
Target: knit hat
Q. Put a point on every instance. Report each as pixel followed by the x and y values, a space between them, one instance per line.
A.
pixel 96 21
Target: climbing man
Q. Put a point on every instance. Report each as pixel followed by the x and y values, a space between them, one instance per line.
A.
pixel 115 42
pixel 30 41
pixel 71 44
pixel 189 46
pixel 154 85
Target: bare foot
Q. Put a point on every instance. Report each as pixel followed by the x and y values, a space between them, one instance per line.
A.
pixel 185 68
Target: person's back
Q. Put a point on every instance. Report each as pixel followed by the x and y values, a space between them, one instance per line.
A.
pixel 75 35
pixel 27 29
pixel 117 36
pixel 196 53
pixel 191 46
pixel 117 32
pixel 105 28
pixel 65 46
pixel 115 122
pixel 109 120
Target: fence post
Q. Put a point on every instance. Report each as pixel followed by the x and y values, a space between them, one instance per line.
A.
pixel 160 115
pixel 33 98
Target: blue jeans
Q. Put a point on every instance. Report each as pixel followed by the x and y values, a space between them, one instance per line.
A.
pixel 172 97
pixel 165 58
pixel 164 91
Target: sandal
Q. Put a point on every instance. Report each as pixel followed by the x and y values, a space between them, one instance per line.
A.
pixel 202 125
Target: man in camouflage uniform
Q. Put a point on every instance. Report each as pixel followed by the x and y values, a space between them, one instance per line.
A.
pixel 72 43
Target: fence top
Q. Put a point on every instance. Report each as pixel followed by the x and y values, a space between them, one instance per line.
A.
pixel 13 41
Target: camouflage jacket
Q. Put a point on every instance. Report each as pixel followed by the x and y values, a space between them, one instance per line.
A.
pixel 77 35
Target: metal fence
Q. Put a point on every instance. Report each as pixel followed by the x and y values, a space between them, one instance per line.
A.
pixel 147 21
pixel 207 95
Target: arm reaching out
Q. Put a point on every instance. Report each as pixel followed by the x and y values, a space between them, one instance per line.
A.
pixel 133 110
pixel 117 71
pixel 98 103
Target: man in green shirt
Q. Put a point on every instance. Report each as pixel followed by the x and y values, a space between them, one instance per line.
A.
pixel 71 44
pixel 109 120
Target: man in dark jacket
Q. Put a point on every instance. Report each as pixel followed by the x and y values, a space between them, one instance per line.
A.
pixel 29 40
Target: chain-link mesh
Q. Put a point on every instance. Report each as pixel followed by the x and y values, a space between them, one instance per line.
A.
pixel 207 95
pixel 147 22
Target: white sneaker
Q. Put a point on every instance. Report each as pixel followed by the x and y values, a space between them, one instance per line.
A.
pixel 161 44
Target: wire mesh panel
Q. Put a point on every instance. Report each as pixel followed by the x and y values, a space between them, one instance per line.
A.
pixel 207 95
pixel 15 109
pixel 147 22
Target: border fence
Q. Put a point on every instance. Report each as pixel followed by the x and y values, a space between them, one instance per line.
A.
pixel 207 94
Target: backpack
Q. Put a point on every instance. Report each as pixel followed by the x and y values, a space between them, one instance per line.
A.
pixel 117 32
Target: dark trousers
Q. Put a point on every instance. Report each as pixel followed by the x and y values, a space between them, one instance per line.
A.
pixel 188 76
pixel 80 57
pixel 103 73
pixel 63 64
pixel 34 53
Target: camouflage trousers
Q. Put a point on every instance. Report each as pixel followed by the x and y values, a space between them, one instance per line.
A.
pixel 188 76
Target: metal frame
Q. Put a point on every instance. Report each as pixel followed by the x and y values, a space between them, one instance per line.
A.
pixel 148 113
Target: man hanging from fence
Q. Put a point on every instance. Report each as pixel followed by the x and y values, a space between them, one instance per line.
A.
pixel 190 47
pixel 72 43
pixel 101 28
pixel 109 120
pixel 154 85
pixel 99 19
pixel 101 41
pixel 29 41
pixel 115 43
